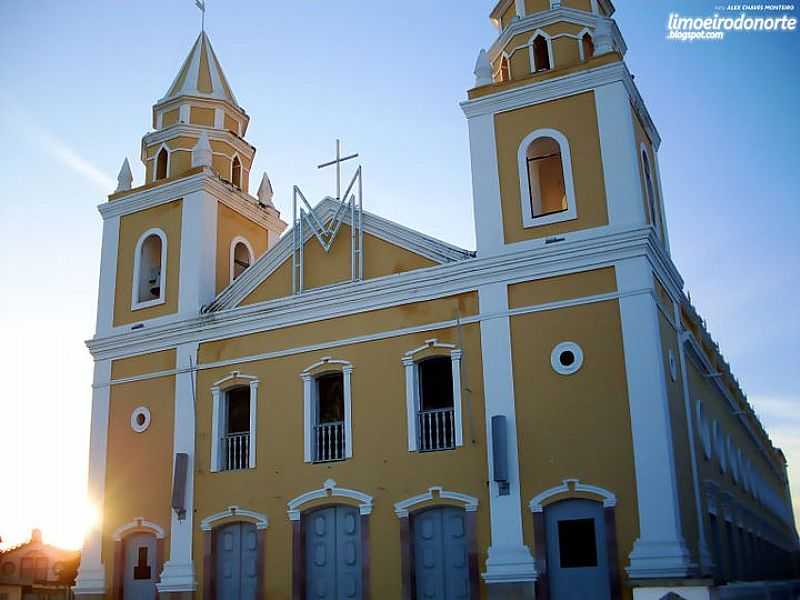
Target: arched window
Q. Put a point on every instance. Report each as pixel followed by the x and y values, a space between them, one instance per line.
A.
pixel 233 423
pixel 149 269
pixel 241 257
pixel 546 186
pixel 541 53
pixel 652 200
pixel 236 172
pixel 505 69
pixel 327 411
pixel 587 46
pixel 161 164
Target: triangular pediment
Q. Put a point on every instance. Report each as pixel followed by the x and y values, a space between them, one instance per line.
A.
pixel 389 248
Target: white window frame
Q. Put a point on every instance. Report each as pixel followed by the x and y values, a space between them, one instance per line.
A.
pixel 550 55
pixel 582 33
pixel 654 202
pixel 410 362
pixel 137 267
pixel 239 239
pixel 155 162
pixel 528 220
pixel 218 425
pixel 309 377
pixel 704 430
pixel 241 170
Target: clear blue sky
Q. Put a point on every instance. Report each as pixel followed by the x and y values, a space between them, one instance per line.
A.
pixel 77 82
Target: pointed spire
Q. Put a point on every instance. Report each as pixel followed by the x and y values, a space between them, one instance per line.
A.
pixel 483 70
pixel 125 177
pixel 265 192
pixel 201 153
pixel 201 75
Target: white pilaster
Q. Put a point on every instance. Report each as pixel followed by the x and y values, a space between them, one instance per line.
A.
pixel 411 402
pixel 91 574
pixel 619 155
pixel 308 417
pixel 219 118
pixel 706 561
pixel 108 276
pixel 178 573
pixel 455 357
pixel 519 7
pixel 509 560
pixel 485 185
pixel 660 551
pixel 253 449
pixel 198 253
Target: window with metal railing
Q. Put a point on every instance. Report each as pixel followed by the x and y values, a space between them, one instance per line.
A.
pixel 436 414
pixel 329 428
pixel 235 444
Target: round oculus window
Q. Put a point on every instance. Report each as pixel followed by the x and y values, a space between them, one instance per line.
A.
pixel 140 419
pixel 566 358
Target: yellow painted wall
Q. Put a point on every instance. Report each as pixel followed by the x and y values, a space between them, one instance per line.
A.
pixel 381 465
pixel 507 16
pixel 201 116
pixel 534 6
pixel 576 118
pixel 168 218
pixel 563 287
pixel 139 461
pixel 231 124
pixel 566 52
pixel 584 5
pixel 575 426
pixel 170 117
pixel 231 224
pixel 321 268
pixel 642 138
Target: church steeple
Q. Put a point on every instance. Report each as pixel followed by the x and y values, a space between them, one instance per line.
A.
pixel 200 101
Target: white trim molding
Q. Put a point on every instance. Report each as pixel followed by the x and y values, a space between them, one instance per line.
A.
pixel 232 256
pixel 571 212
pixel 437 492
pixel 411 365
pixel 555 358
pixel 144 412
pixel 139 524
pixel 329 489
pixel 219 391
pixel 309 376
pixel 136 304
pixel 537 503
pixel 261 521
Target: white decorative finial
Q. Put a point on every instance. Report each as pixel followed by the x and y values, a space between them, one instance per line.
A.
pixel 603 41
pixel 201 153
pixel 265 192
pixel 483 70
pixel 125 178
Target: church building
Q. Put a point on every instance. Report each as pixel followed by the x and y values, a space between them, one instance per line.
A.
pixel 331 405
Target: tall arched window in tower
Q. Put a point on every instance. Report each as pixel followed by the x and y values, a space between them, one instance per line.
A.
pixel 236 172
pixel 161 164
pixel 541 54
pixel 505 69
pixel 241 257
pixel 547 190
pixel 652 200
pixel 587 46
pixel 148 269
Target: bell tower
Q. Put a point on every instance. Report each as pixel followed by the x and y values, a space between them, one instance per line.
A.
pixel 172 243
pixel 560 139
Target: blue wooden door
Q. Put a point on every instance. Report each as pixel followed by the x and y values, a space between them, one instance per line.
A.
pixel 237 569
pixel 441 555
pixel 333 554
pixel 139 581
pixel 577 561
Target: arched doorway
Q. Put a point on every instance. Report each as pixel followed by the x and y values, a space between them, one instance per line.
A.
pixel 441 553
pixel 333 553
pixel 236 552
pixel 141 569
pixel 577 557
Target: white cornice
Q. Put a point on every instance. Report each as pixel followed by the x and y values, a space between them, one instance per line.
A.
pixel 560 87
pixel 394 290
pixel 206 181
pixel 389 231
pixel 186 129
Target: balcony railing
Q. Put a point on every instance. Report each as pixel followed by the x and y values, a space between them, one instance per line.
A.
pixel 329 441
pixel 236 448
pixel 436 429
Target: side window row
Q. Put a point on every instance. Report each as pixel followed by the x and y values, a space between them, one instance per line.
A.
pixel 433 403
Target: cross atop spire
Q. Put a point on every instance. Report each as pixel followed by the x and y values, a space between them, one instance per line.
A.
pixel 338 162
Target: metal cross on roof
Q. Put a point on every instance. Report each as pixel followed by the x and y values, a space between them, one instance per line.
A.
pixel 338 162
